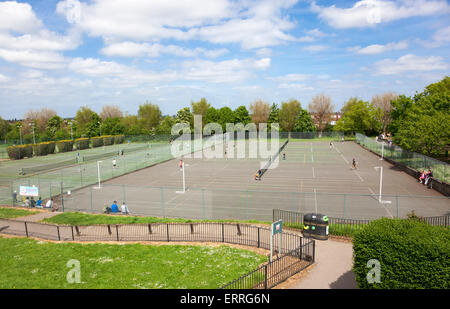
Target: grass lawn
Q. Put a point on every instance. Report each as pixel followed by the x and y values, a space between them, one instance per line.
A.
pixel 77 218
pixel 30 264
pixel 8 213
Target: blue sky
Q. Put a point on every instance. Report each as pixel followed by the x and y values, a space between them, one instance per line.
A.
pixel 66 54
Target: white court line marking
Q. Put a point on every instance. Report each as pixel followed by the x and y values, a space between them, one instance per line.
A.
pixel 311 148
pixel 312 158
pixel 358 175
pixel 315 198
pixel 342 156
pixel 382 204
pixel 314 174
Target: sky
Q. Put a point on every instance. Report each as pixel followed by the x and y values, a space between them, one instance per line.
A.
pixel 66 54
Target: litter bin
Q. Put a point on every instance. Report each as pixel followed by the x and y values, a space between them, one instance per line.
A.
pixel 315 226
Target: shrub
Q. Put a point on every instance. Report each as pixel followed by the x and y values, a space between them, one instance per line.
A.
pixel 64 145
pixel 108 140
pixel 40 149
pixel 97 141
pixel 412 255
pixel 82 143
pixel 51 147
pixel 119 139
pixel 20 151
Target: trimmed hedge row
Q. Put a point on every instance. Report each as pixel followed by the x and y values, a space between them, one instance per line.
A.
pixel 408 254
pixel 42 149
pixel 20 152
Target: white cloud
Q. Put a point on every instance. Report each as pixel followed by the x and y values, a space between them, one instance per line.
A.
pixel 18 17
pixel 253 24
pixel 294 77
pixel 42 40
pixel 378 48
pixel 440 38
pixel 368 13
pixel 409 63
pixel 34 59
pixel 3 78
pixel 131 49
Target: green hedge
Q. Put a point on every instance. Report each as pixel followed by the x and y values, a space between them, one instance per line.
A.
pixel 82 143
pixel 65 145
pixel 411 255
pixel 97 141
pixel 108 140
pixel 40 149
pixel 119 139
pixel 20 151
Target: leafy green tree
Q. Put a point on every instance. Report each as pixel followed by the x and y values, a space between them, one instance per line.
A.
pixel 149 115
pixel 423 123
pixel 184 115
pixel 131 124
pixel 359 116
pixel 5 127
pixel 53 126
pixel 200 108
pixel 241 115
pixel 112 126
pixel 212 115
pixel 274 116
pixel 304 122
pixel 83 117
pixel 93 126
pixel 289 113
pixel 226 115
pixel 398 112
pixel 165 126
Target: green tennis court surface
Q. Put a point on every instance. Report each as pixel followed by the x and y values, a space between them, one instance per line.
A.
pixel 314 177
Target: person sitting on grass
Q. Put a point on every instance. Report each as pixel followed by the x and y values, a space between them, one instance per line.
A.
pixel 39 203
pixel 124 209
pixel 428 176
pixel 114 207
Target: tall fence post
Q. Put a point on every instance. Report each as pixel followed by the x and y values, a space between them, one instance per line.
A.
pixel 90 191
pixel 203 204
pixel 62 196
pixel 167 228
pixel 117 232
pixel 265 277
pixel 162 201
pixel 59 235
pixel 26 229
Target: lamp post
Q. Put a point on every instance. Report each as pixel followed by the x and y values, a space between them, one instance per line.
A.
pixel 100 127
pixel 20 134
pixel 32 127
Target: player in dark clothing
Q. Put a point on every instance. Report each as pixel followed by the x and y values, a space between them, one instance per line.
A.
pixel 354 164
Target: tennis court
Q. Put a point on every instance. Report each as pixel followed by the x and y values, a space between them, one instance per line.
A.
pixel 314 177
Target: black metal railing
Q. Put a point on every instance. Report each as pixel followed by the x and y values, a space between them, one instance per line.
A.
pixel 344 226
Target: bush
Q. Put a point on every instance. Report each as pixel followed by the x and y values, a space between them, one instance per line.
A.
pixel 40 149
pixel 108 140
pixel 97 141
pixel 20 151
pixel 412 255
pixel 65 145
pixel 119 139
pixel 82 143
pixel 51 147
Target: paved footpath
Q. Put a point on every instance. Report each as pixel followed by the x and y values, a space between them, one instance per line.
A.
pixel 37 217
pixel 332 268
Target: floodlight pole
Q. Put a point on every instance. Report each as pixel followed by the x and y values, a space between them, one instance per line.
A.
pixel 184 181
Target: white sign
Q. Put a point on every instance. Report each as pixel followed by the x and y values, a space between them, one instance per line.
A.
pixel 29 191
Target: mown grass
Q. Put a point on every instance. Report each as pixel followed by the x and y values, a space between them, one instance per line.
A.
pixel 81 219
pixel 30 264
pixel 9 213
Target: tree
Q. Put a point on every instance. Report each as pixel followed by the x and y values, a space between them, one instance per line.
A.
pixel 304 122
pixel 289 113
pixel 321 109
pixel 200 108
pixel 53 125
pixel 112 126
pixel 383 103
pixel 149 115
pixel 83 117
pixel 131 125
pixel 5 127
pixel 109 111
pixel 39 118
pixel 211 115
pixel 184 115
pixel 422 123
pixel 241 115
pixel 165 126
pixel 260 111
pixel 93 126
pixel 358 116
pixel 226 115
pixel 274 115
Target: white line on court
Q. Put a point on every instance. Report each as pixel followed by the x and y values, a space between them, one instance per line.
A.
pixel 382 204
pixel 311 148
pixel 315 198
pixel 357 174
pixel 314 174
pixel 342 155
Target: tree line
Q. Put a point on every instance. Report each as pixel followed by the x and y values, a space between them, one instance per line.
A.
pixel 419 123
